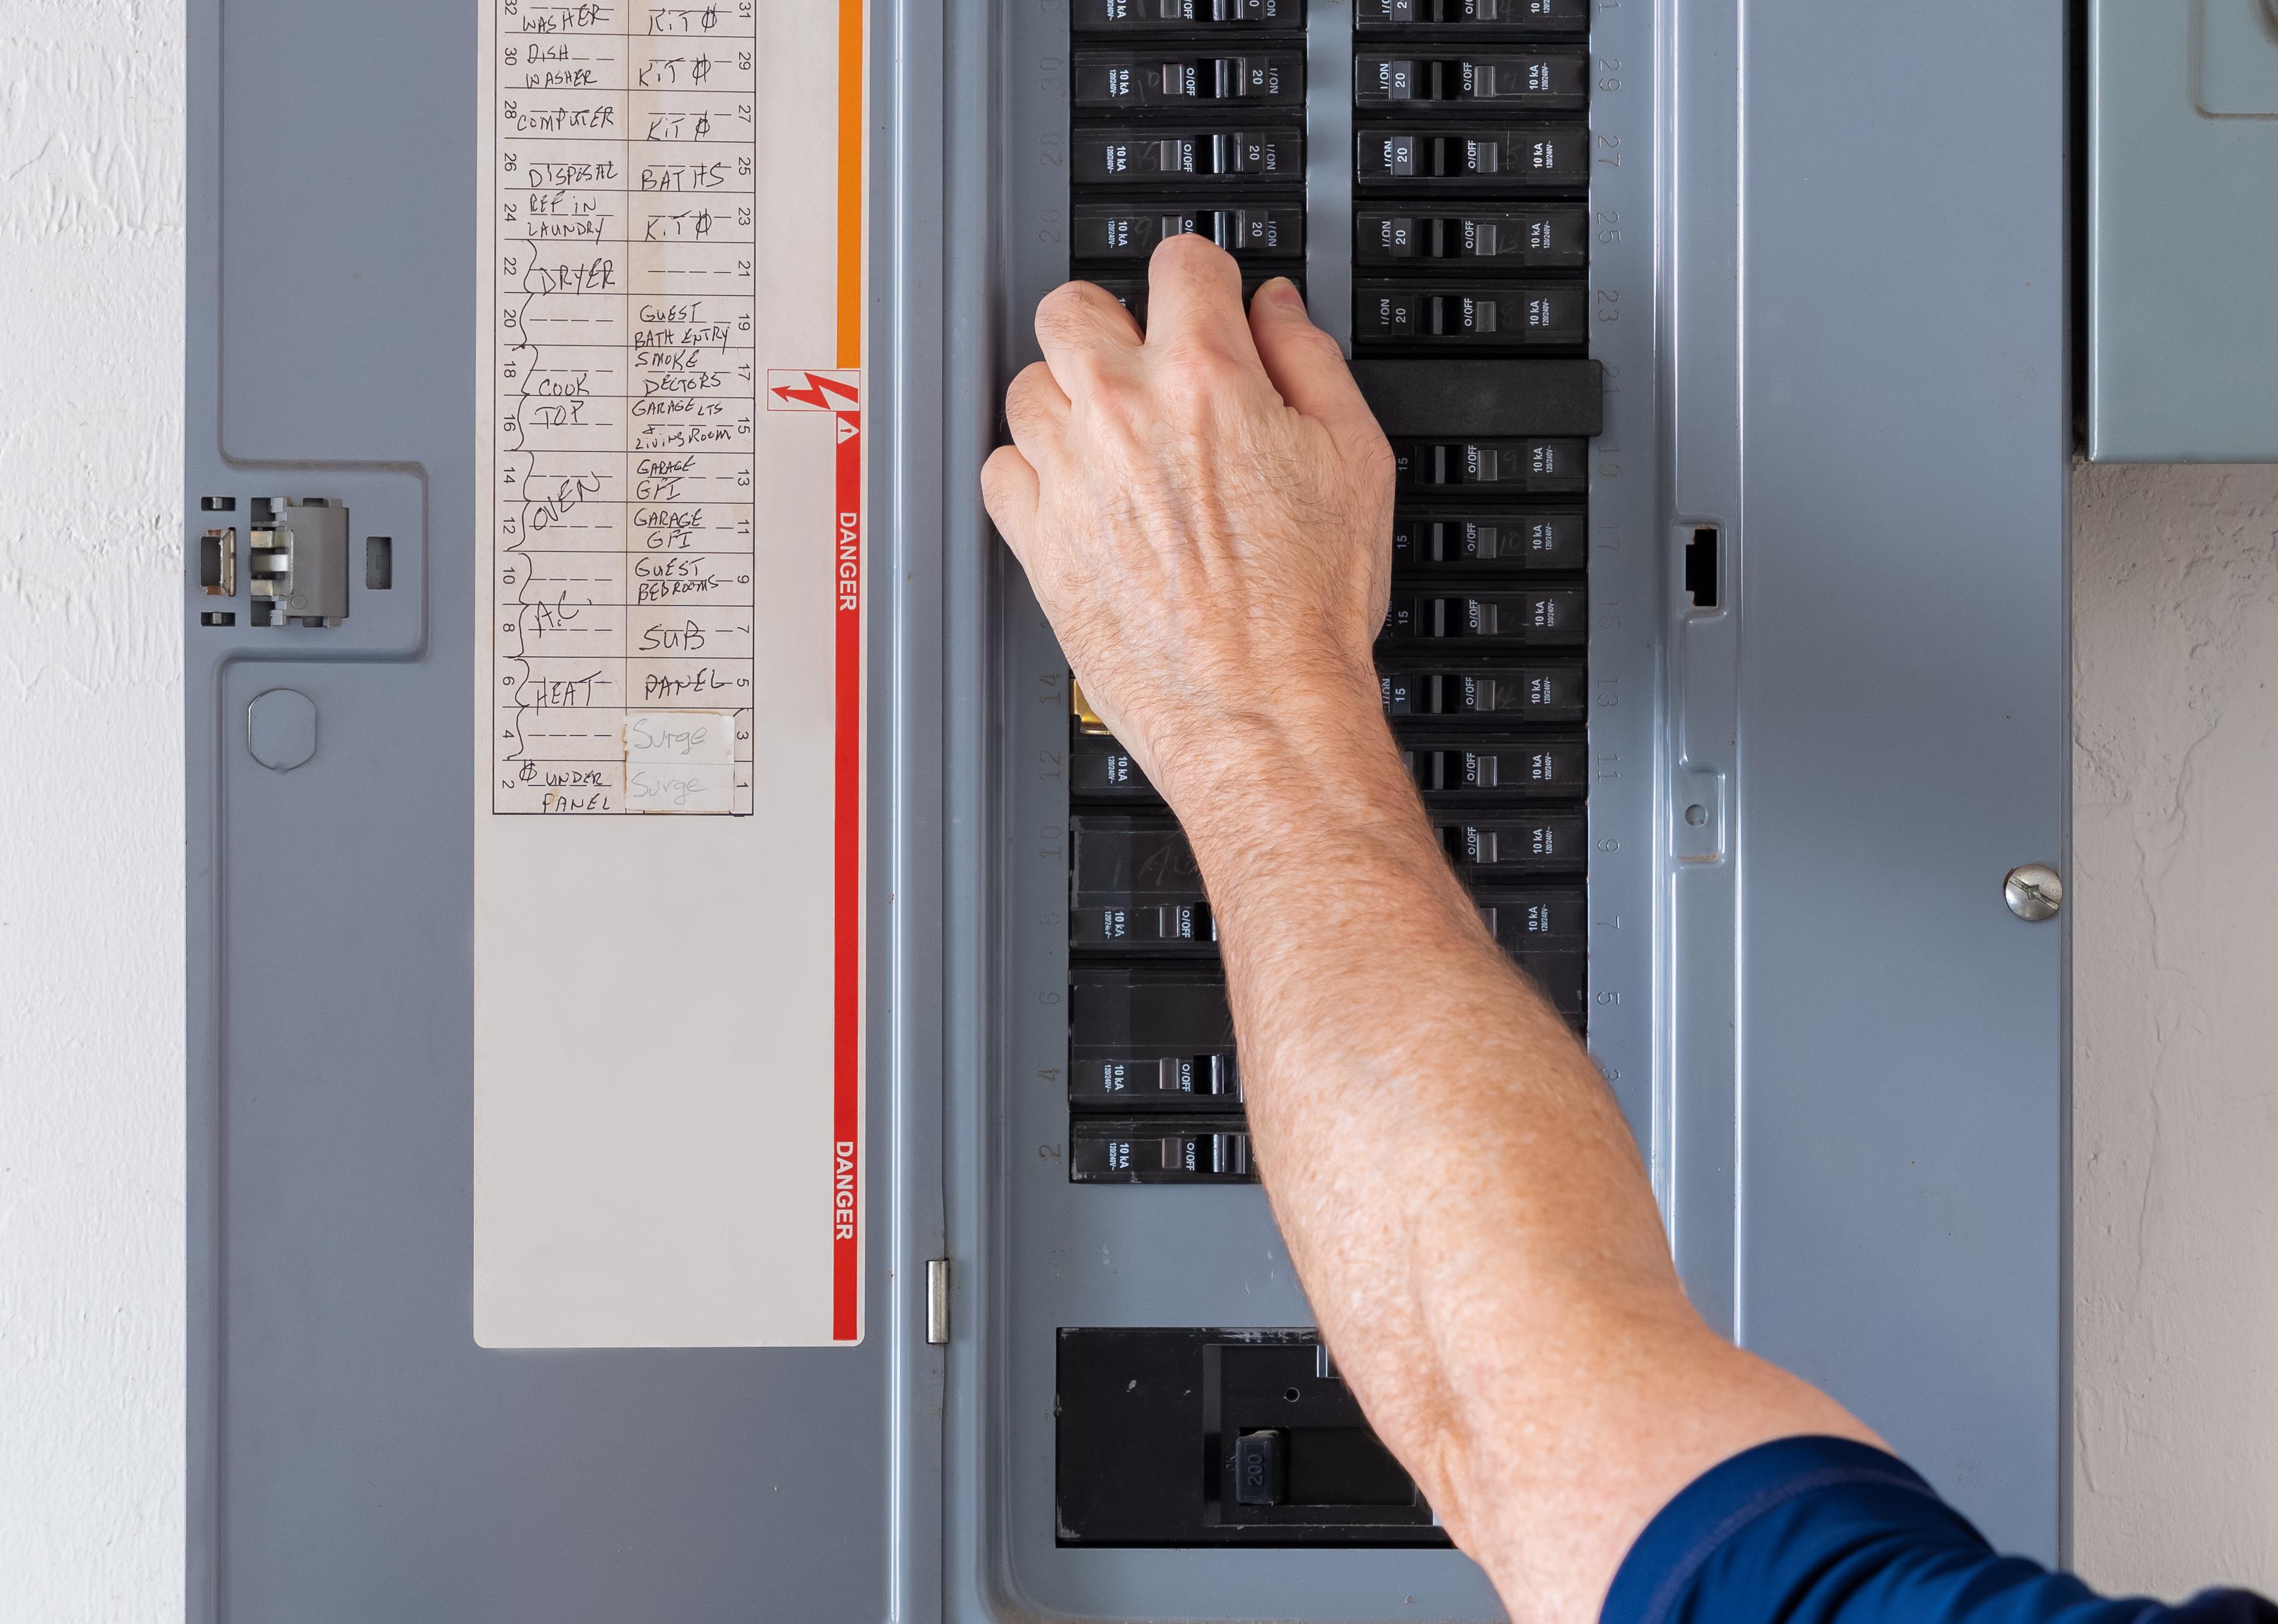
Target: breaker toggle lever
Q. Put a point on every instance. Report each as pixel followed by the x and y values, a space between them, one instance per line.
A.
pixel 1123 80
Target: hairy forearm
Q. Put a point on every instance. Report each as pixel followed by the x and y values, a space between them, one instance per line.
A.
pixel 1460 1193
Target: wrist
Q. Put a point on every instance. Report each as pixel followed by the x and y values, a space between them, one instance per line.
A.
pixel 1276 740
pixel 1305 777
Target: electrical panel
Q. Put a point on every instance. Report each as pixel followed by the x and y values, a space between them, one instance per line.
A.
pixel 2181 110
pixel 713 1090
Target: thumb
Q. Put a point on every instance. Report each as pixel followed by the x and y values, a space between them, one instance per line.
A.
pixel 1306 365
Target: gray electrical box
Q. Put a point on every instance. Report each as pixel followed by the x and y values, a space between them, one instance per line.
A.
pixel 2183 232
pixel 711 1095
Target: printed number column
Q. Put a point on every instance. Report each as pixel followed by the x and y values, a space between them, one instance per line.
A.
pixel 689 672
pixel 563 589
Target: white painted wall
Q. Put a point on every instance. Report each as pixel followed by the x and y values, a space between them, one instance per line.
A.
pixel 90 812
pixel 2175 893
pixel 2175 889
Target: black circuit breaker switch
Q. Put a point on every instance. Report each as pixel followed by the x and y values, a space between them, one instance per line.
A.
pixel 1536 921
pixel 1555 79
pixel 1200 16
pixel 1463 316
pixel 1131 291
pixel 1546 617
pixel 1121 1082
pixel 1475 16
pixel 1509 694
pixel 1552 238
pixel 1551 842
pixel 1162 924
pixel 1133 884
pixel 1544 466
pixel 1156 157
pixel 1157 1151
pixel 1503 540
pixel 1100 768
pixel 1118 80
pixel 1260 1469
pixel 1544 157
pixel 1145 1036
pixel 1107 231
pixel 1545 769
pixel 1563 975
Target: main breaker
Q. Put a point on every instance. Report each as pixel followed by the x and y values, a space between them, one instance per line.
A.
pixel 713 1095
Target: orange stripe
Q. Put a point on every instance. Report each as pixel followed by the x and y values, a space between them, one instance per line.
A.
pixel 850 182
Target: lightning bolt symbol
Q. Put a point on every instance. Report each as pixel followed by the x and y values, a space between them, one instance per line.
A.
pixel 817 386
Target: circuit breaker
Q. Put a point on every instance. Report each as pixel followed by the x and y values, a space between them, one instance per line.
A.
pixel 713 1092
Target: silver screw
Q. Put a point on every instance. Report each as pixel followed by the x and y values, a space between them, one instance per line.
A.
pixel 2034 892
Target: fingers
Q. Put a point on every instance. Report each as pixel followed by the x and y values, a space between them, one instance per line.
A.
pixel 1036 411
pixel 1306 365
pixel 1008 490
pixel 1194 302
pixel 1086 335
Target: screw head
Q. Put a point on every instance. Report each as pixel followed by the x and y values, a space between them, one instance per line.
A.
pixel 2034 892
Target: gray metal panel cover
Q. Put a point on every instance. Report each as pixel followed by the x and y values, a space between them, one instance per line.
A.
pixel 353 1455
pixel 2182 328
pixel 1885 1063
pixel 1904 416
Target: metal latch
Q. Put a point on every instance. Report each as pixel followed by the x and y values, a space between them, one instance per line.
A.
pixel 936 1302
pixel 298 561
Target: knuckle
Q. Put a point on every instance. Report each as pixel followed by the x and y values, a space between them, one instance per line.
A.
pixel 998 478
pixel 1061 315
pixel 1075 315
pixel 1190 250
pixel 1026 394
pixel 1196 362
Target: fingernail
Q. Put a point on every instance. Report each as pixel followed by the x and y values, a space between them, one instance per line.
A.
pixel 1282 290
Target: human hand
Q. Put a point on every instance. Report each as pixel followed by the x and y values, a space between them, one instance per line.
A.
pixel 1206 514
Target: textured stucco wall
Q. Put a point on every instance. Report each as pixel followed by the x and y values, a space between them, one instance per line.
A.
pixel 2175 892
pixel 90 813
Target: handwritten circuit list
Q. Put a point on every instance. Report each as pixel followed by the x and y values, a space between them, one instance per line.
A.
pixel 622 556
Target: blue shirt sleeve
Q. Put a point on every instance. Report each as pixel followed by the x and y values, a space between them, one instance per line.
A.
pixel 1818 1530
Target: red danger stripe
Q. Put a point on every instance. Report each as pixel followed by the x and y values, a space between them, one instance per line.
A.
pixel 846 933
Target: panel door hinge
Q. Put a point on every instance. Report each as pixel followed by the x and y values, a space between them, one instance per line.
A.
pixel 936 1302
